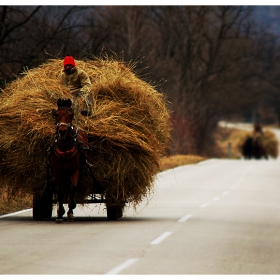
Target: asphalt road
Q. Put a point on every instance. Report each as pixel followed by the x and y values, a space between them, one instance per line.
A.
pixel 215 217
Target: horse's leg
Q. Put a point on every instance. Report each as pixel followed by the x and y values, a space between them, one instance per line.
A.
pixel 73 189
pixel 60 208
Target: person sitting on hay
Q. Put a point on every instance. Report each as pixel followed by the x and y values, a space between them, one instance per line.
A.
pixel 78 82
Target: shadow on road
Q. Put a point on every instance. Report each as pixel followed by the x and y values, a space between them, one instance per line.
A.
pixel 84 219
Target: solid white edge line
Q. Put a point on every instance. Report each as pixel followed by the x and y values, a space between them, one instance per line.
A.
pixel 121 267
pixel 185 218
pixel 161 238
pixel 15 213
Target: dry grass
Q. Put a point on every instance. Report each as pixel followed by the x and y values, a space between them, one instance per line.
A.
pixel 12 202
pixel 179 160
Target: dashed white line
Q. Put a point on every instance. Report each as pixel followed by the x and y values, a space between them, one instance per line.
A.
pixel 224 193
pixel 204 205
pixel 215 198
pixel 185 218
pixel 121 267
pixel 161 238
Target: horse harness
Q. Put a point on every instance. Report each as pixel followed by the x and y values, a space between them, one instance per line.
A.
pixel 77 146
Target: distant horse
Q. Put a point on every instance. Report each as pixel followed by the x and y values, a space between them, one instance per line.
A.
pixel 253 148
pixel 67 157
pixel 248 148
pixel 259 150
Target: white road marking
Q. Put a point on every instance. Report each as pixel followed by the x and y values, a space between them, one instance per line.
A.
pixel 204 205
pixel 121 267
pixel 215 198
pixel 15 213
pixel 161 238
pixel 185 218
pixel 224 193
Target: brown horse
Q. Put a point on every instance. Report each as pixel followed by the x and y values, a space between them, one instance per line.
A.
pixel 67 157
pixel 254 148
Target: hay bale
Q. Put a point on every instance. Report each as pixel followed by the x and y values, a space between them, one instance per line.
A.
pixel 271 143
pixel 128 132
pixel 269 139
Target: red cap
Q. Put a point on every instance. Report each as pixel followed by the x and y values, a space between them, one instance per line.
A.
pixel 69 60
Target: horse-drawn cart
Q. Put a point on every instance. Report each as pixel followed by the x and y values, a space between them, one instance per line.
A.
pixel 66 163
pixel 43 202
pixel 128 133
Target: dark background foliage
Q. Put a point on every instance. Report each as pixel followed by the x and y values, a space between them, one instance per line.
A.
pixel 211 62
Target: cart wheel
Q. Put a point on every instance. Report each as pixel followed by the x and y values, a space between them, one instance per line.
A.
pixel 42 205
pixel 114 212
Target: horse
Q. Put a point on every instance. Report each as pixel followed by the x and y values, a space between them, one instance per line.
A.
pixel 253 148
pixel 67 157
pixel 259 150
pixel 248 148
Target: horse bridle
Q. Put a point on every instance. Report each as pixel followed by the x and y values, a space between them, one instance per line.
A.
pixel 63 124
pixel 58 125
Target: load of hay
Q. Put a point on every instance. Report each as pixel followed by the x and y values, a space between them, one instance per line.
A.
pixel 269 140
pixel 128 132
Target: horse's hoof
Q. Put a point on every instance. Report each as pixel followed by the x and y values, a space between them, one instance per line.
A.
pixel 70 218
pixel 59 221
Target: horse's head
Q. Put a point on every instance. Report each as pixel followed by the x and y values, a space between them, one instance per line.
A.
pixel 63 117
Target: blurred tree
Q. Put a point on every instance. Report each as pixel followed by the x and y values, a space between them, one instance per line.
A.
pixel 29 35
pixel 214 60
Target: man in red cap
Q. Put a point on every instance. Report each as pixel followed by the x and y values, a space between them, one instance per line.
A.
pixel 78 83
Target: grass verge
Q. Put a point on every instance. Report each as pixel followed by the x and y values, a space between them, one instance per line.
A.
pixel 12 202
pixel 230 136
